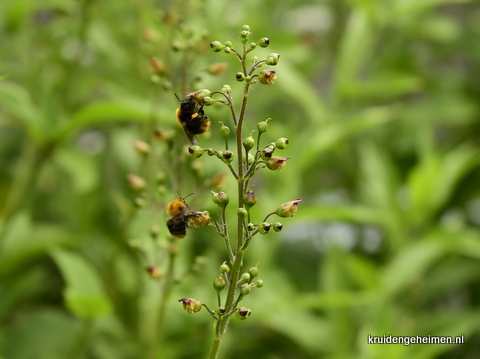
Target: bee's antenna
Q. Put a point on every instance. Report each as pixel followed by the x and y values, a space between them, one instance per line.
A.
pixel 188 195
pixel 177 97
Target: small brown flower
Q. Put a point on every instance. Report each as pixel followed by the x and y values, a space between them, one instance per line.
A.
pixel 267 77
pixel 191 305
pixel 218 68
pixel 288 209
pixel 137 183
pixel 155 272
pixel 276 163
pixel 156 65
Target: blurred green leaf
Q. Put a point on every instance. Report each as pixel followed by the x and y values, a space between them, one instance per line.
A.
pixel 16 101
pixel 80 167
pixel 107 112
pixel 84 294
pixel 335 131
pixel 433 181
pixel 412 7
pixel 24 242
pixel 49 333
pixel 410 265
pixel 355 47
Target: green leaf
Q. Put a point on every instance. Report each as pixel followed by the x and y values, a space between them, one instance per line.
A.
pixel 17 102
pixel 80 166
pixel 410 265
pixel 84 294
pixel 433 181
pixel 25 242
pixel 108 112
pixel 337 131
pixel 355 47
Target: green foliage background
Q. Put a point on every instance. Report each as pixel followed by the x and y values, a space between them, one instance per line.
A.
pixel 379 100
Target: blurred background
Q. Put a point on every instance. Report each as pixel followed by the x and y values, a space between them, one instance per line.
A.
pixel 379 100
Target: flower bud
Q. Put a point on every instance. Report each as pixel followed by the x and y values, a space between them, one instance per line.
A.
pixel 167 85
pixel 267 77
pixel 281 143
pixel 218 68
pixel 242 212
pixel 196 151
pixel 249 199
pixel 245 289
pixel 246 27
pixel 191 305
pixel 155 272
pixel 266 153
pixel 208 101
pixel 197 264
pixel 141 147
pixel 219 283
pixel 272 59
pixel 243 313
pixel 250 158
pixel 244 36
pixel 219 179
pixel 220 198
pixel 160 177
pixel 156 66
pixel 227 50
pixel 264 42
pixel 254 59
pixel 139 202
pixel 226 89
pixel 250 227
pixel 210 151
pixel 288 209
pixel 252 46
pixel 264 228
pixel 155 79
pixel 276 163
pixel 277 226
pixel 224 130
pixel 245 277
pixel 224 268
pixel 200 219
pixel 240 76
pixel 199 96
pixel 259 283
pixel 137 183
pixel 228 44
pixel 262 127
pixel 227 157
pixel 248 143
pixel 154 229
pixel 162 135
pixel 253 272
pixel 217 46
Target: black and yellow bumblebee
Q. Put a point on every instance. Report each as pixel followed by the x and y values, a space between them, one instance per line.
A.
pixel 180 212
pixel 192 118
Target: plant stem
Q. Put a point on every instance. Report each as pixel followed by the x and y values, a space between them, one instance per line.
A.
pixel 165 293
pixel 221 324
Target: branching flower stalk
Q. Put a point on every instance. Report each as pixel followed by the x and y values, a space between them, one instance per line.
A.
pixel 237 284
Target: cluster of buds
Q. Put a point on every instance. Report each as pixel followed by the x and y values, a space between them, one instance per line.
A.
pixel 266 77
pixel 252 157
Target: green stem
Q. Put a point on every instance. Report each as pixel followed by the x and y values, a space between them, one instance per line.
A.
pixel 166 290
pixel 221 324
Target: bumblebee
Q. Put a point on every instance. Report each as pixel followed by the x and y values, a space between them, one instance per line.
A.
pixel 192 118
pixel 180 212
